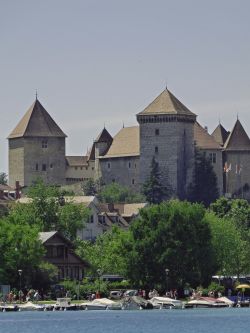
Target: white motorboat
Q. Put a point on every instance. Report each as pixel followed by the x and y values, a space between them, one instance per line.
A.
pixel 98 304
pixel 166 303
pixel 206 302
pixel 29 306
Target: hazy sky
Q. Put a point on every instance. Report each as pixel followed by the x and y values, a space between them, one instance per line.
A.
pixel 103 61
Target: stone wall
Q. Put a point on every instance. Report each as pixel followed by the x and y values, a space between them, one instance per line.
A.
pixel 16 161
pixel 171 143
pixel 46 163
pixel 123 170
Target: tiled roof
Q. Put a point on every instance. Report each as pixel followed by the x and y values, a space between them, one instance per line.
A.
pixel 220 134
pixel 129 209
pixel 86 200
pixel 77 160
pixel 166 103
pixel 203 139
pixel 237 139
pixel 36 123
pixel 125 143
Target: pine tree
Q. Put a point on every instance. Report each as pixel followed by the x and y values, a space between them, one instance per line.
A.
pixel 204 188
pixel 153 189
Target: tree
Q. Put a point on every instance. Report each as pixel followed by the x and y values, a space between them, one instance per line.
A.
pixel 109 253
pixel 20 248
pixel 3 178
pixel 153 189
pixel 231 249
pixel 116 193
pixel 48 210
pixel 173 235
pixel 90 187
pixel 204 188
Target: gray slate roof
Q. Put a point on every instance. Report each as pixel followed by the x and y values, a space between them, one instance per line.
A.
pixel 237 139
pixel 220 134
pixel 36 123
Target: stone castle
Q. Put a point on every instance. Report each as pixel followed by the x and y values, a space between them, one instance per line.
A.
pixel 167 131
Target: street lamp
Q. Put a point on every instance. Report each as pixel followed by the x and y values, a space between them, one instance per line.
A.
pixel 20 271
pixel 99 273
pixel 167 272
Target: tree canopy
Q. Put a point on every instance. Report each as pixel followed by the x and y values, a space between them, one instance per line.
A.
pixel 203 188
pixel 173 235
pixel 3 178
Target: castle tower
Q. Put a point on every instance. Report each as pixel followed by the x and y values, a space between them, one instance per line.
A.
pixel 36 149
pixel 237 161
pixel 167 133
pixel 101 146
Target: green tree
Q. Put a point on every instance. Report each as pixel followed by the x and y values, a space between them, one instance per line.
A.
pixel 153 189
pixel 3 178
pixel 116 193
pixel 173 235
pixel 89 187
pixel 109 253
pixel 232 251
pixel 204 188
pixel 20 248
pixel 48 209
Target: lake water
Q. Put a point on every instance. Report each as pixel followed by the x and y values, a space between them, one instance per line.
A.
pixel 155 321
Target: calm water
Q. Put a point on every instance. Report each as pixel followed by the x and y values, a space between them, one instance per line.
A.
pixel 155 321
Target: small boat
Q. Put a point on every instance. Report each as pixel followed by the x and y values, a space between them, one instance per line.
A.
pixel 206 302
pixel 166 303
pixel 136 303
pixel 29 306
pixel 98 304
pixel 8 307
pixel 64 304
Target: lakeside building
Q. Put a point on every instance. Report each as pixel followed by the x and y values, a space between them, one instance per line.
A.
pixel 167 130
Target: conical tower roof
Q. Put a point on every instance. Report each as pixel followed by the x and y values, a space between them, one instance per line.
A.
pixel 36 123
pixel 238 138
pixel 220 134
pixel 166 103
pixel 104 136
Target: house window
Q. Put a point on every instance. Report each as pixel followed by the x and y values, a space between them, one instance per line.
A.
pixel 91 219
pixel 44 167
pixel 44 144
pixel 76 168
pixel 157 131
pixel 37 168
pixel 92 168
pixel 212 157
pixel 81 168
pixel 156 150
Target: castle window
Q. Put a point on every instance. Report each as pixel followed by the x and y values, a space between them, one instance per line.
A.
pixel 51 166
pixel 76 168
pixel 92 168
pixel 109 165
pixel 129 165
pixel 212 157
pixel 44 144
pixel 81 168
pixel 37 168
pixel 156 150
pixel 113 180
pixel 135 165
pixel 44 167
pixel 157 131
pixel 133 181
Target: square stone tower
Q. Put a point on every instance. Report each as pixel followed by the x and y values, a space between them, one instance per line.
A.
pixel 36 149
pixel 167 134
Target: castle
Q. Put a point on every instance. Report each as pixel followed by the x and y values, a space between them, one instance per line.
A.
pixel 167 131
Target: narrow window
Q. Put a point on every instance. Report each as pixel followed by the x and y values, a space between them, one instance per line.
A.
pixel 109 165
pixel 157 131
pixel 214 157
pixel 44 144
pixel 133 181
pixel 37 168
pixel 129 165
pixel 44 167
pixel 135 165
pixel 76 168
pixel 51 166
pixel 156 150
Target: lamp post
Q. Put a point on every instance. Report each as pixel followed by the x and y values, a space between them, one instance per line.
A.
pixel 20 271
pixel 99 273
pixel 167 272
